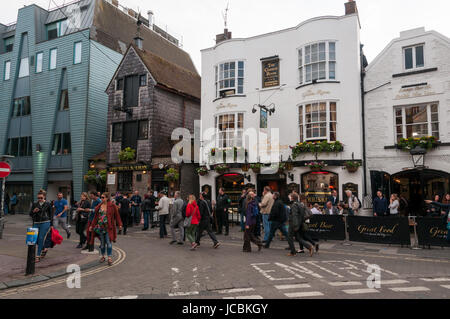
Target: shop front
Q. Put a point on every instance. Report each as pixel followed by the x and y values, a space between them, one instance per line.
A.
pixel 128 178
pixel 318 186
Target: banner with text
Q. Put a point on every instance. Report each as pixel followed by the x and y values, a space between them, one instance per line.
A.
pixel 381 230
pixel 432 232
pixel 327 227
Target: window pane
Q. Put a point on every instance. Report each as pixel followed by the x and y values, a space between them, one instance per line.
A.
pixel 24 69
pixel 17 108
pixel 434 108
pixel 143 129
pixel 332 53
pixel 300 58
pixel 52 31
pixel 64 104
pixel 57 145
pixel 419 57
pixel 9 44
pixel 241 65
pixel 322 71
pixel 26 106
pixel 333 106
pixel 62 28
pixel 143 80
pixel 67 145
pixel 14 147
pixel 308 54
pixel 308 73
pixel 77 53
pixel 314 53
pixel 332 66
pixel 417 130
pixel 117 132
pixel 39 60
pixel 53 56
pixel 300 115
pixel 408 58
pixel 23 146
pixel 322 56
pixel 7 70
pixel 416 114
pixel 434 117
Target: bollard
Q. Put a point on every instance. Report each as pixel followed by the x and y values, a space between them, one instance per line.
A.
pixel 32 235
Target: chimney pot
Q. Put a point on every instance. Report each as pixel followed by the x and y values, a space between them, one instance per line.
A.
pixel 138 42
pixel 351 7
pixel 226 35
pixel 150 15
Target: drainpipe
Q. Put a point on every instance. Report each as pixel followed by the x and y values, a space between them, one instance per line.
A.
pixel 363 74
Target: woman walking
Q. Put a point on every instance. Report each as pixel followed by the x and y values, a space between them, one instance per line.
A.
pixel 394 205
pixel 251 208
pixel 104 225
pixel 41 213
pixel 192 221
pixel 82 218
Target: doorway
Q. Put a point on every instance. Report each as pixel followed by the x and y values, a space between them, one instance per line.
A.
pixel 277 182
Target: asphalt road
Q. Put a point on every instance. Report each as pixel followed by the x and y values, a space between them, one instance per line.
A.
pixel 148 267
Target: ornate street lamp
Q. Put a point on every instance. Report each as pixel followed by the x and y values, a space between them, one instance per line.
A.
pixel 418 156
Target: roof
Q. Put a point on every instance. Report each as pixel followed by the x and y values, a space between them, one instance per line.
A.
pixel 99 157
pixel 169 75
pixel 114 28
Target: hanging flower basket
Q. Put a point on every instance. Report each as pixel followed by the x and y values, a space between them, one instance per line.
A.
pixel 126 155
pixel 221 168
pixel 172 175
pixel 245 167
pixel 316 166
pixel 352 166
pixel 256 168
pixel 202 171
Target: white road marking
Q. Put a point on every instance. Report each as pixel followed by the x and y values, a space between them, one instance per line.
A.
pixel 446 286
pixel 123 297
pixel 236 290
pixel 177 294
pixel 245 297
pixel 175 270
pixel 303 294
pixel 324 269
pixel 360 291
pixel 435 279
pixel 265 273
pixel 394 282
pixel 409 289
pixel 345 283
pixel 299 286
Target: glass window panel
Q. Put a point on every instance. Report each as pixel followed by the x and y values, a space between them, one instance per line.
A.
pixel 408 58
pixel 332 52
pixel 23 146
pixel 232 83
pixel 308 54
pixel 417 130
pixel 434 108
pixel 333 106
pixel 419 57
pixel 232 74
pixel 436 135
pixel 300 57
pixel 52 31
pixel 323 132
pixel 67 145
pixel 314 53
pixel 143 129
pixel 62 28
pixel 77 53
pixel 241 73
pixel 226 66
pixel 232 65
pixel 300 115
pixel 53 57
pixel 57 145
pixel 39 61
pixel 322 56
pixel 64 103
pixel 333 116
pixel 322 71
pixel 434 117
pixel 435 127
pixel 416 114
pixel 26 106
pixel 14 147
pixel 332 66
pixel 24 69
pixel 226 74
pixel 241 65
pixel 7 70
pixel 315 71
pixel 308 73
pixel 398 112
pixel 9 44
pixel 240 89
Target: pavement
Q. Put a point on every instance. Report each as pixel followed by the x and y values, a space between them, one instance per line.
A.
pixel 147 267
pixel 13 255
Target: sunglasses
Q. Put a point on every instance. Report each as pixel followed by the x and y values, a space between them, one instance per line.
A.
pixel 103 197
pixel 40 197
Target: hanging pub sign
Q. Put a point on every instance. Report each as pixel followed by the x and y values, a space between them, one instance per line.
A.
pixel 432 232
pixel 327 227
pixel 381 230
pixel 263 119
pixel 129 168
pixel 271 73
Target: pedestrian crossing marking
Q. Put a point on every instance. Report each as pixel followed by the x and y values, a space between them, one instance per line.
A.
pixel 123 297
pixel 446 286
pixel 245 297
pixel 394 282
pixel 303 294
pixel 178 294
pixel 409 289
pixel 236 290
pixel 435 279
pixel 345 283
pixel 360 291
pixel 298 286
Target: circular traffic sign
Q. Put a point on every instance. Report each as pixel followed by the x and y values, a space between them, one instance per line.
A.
pixel 5 169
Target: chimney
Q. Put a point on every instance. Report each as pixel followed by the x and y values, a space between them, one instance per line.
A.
pixel 150 18
pixel 351 7
pixel 138 41
pixel 223 36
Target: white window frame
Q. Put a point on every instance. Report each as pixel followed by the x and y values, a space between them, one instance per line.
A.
pixel 429 120
pixel 414 59
pixel 77 52
pixel 217 78
pixel 7 72
pixel 232 134
pixel 302 65
pixel 302 126
pixel 52 60
pixel 39 62
pixel 24 68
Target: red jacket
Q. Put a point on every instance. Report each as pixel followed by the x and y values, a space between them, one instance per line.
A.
pixel 114 220
pixel 192 210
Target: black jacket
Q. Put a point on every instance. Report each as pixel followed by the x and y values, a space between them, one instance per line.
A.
pixel 205 211
pixel 149 204
pixel 222 202
pixel 242 203
pixel 333 201
pixel 83 215
pixel 43 215
pixel 278 212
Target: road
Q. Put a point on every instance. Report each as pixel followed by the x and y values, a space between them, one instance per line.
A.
pixel 148 267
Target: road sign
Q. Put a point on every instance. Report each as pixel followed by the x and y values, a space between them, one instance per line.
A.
pixel 5 169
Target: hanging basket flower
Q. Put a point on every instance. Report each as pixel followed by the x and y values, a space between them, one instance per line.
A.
pixel 172 175
pixel 256 168
pixel 316 166
pixel 202 171
pixel 221 168
pixel 127 154
pixel 352 166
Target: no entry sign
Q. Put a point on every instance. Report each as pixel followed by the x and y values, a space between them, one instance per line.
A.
pixel 5 169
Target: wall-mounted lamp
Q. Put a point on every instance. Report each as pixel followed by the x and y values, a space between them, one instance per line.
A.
pixel 38 148
pixel 92 165
pixel 291 176
pixel 248 177
pixel 144 172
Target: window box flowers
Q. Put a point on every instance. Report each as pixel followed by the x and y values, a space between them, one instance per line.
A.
pixel 316 147
pixel 316 166
pixel 408 144
pixel 221 168
pixel 127 155
pixel 352 166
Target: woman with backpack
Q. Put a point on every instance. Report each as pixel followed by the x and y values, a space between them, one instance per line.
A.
pixel 251 213
pixel 192 220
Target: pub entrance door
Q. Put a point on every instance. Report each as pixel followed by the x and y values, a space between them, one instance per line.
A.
pixel 277 183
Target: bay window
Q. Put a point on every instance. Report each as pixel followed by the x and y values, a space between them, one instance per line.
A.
pixel 318 121
pixel 229 78
pixel 417 121
pixel 229 130
pixel 317 61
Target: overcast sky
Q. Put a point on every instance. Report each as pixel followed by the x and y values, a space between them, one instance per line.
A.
pixel 198 21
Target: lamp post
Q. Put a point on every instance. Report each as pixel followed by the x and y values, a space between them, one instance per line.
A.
pixel 418 156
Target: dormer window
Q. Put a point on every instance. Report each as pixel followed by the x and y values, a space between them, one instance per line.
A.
pixel 9 44
pixel 56 29
pixel 414 57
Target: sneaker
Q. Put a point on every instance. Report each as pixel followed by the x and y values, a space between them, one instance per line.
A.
pixel 194 246
pixel 180 243
pixel 292 255
pixel 300 251
pixel 317 248
pixel 68 235
pixel 216 245
pixel 173 242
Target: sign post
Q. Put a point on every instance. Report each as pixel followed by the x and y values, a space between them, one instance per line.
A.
pixel 5 170
pixel 32 236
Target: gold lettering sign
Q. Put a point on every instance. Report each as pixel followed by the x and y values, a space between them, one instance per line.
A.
pixel 129 168
pixel 435 232
pixel 377 230
pixel 271 73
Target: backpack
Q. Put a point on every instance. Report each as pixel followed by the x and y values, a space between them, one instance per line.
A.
pixel 183 210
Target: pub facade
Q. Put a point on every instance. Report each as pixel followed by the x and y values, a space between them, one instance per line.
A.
pixel 300 87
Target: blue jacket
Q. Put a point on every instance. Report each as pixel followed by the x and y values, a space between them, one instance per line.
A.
pixel 380 205
pixel 250 220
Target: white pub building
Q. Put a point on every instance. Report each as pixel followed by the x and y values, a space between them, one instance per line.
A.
pixel 304 82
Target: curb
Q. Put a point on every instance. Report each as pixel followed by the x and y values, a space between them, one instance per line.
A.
pixel 41 278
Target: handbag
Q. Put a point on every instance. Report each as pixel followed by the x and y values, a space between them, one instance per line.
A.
pixel 187 222
pixel 56 237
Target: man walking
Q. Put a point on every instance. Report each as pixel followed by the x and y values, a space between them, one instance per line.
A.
pixel 266 207
pixel 124 211
pixel 61 208
pixel 148 208
pixel 163 210
pixel 242 209
pixel 177 220
pixel 136 201
pixel 222 205
pixel 205 209
pixel 380 205
pixel 90 234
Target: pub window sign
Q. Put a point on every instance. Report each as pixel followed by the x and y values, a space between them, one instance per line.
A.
pixel 271 73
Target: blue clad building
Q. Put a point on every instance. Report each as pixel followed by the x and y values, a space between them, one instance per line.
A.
pixel 54 68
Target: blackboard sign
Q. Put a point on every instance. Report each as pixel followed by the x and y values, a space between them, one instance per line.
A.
pixel 271 73
pixel 432 232
pixel 381 230
pixel 351 187
pixel 327 227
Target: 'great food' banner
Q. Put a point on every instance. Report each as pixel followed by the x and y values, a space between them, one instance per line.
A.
pixel 432 232
pixel 381 230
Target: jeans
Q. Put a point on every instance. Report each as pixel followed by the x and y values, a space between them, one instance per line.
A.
pixel 146 217
pixel 136 213
pixel 273 228
pixel 125 221
pixel 249 236
pixel 162 226
pixel 44 232
pixel 257 229
pixel 266 224
pixel 222 221
pixel 181 228
pixel 105 243
pixel 80 229
pixel 191 233
pixel 201 228
pixel 61 221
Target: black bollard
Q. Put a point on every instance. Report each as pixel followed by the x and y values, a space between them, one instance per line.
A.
pixel 31 260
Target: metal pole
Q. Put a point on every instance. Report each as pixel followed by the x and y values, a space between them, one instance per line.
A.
pixel 31 260
pixel 416 239
pixel 2 212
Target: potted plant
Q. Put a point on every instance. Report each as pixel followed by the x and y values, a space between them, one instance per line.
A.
pixel 256 168
pixel 316 166
pixel 316 148
pixel 221 168
pixel 128 154
pixel 172 175
pixel 202 171
pixel 352 166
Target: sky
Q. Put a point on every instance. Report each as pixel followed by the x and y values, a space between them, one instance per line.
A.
pixel 198 21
